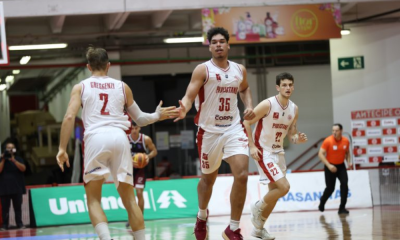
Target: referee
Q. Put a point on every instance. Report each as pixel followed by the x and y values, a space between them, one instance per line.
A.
pixel 333 152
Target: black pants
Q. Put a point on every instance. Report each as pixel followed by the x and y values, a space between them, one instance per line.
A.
pixel 330 180
pixel 5 207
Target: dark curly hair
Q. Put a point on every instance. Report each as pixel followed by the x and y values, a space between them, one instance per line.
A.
pixel 217 30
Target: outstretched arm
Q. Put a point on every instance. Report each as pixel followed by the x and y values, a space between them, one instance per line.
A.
pixel 198 77
pixel 295 136
pixel 142 118
pixel 68 124
pixel 245 95
pixel 260 111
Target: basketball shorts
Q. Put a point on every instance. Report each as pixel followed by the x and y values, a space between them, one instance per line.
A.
pixel 214 147
pixel 139 177
pixel 272 167
pixel 108 152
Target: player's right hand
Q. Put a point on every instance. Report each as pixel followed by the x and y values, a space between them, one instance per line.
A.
pixel 255 153
pixel 181 111
pixel 332 168
pixel 166 112
pixel 62 157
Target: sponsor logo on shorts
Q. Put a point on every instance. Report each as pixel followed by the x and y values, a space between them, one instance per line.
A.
pixel 205 156
pixel 270 165
pixel 243 139
pixel 129 174
pixel 223 125
pixel 93 170
pixel 222 118
pixel 274 146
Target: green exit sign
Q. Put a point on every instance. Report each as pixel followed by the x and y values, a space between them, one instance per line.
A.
pixel 351 63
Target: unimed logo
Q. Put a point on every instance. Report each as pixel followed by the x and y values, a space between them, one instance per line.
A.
pixel 62 206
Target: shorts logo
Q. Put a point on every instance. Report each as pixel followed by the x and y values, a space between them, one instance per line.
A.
pixel 270 165
pixel 205 156
pixel 93 170
pixel 129 174
pixel 218 77
pixel 276 115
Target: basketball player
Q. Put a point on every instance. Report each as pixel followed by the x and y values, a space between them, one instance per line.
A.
pixel 215 85
pixel 107 149
pixel 275 117
pixel 140 143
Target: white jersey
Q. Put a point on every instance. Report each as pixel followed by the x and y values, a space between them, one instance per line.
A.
pixel 272 129
pixel 103 101
pixel 217 101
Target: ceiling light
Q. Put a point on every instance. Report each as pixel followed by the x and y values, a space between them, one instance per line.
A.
pixel 184 40
pixel 345 32
pixel 24 60
pixel 38 47
pixel 2 87
pixel 9 78
pixel 15 72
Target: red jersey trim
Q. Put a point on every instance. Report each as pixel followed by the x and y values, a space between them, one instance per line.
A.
pixel 284 108
pixel 260 155
pixel 201 100
pixel 240 69
pixel 270 107
pixel 208 75
pixel 225 70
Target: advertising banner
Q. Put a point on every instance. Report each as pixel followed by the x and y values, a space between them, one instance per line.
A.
pixel 275 23
pixel 67 205
pixel 376 135
pixel 305 192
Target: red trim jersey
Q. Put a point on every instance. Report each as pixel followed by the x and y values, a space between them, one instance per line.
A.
pixel 217 101
pixel 273 127
pixel 103 102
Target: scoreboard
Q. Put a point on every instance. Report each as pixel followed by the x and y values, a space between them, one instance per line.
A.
pixel 376 135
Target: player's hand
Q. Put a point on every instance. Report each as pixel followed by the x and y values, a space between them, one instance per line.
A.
pixel 181 111
pixel 302 138
pixel 166 112
pixel 255 153
pixel 147 159
pixel 332 168
pixel 248 114
pixel 62 157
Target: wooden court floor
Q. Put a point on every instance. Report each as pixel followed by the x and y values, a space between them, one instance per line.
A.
pixel 381 222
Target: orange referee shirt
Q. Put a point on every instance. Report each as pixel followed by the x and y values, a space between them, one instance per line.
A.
pixel 335 150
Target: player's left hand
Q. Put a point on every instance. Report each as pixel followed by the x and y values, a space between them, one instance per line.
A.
pixel 147 159
pixel 249 114
pixel 302 138
pixel 62 157
pixel 166 112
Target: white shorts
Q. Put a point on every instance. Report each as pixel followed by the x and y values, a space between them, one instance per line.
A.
pixel 108 152
pixel 272 167
pixel 214 147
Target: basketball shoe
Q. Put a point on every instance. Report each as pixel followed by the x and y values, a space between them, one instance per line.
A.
pixel 228 234
pixel 201 229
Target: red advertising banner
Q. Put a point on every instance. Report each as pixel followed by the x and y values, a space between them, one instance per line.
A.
pixel 375 159
pixel 391 149
pixel 389 131
pixel 358 133
pixel 373 123
pixel 376 113
pixel 374 141
pixel 275 23
pixel 359 151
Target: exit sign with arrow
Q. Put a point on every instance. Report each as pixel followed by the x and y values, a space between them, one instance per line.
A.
pixel 351 63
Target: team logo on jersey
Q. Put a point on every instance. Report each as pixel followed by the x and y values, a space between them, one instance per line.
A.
pixel 276 115
pixel 205 156
pixel 289 117
pixel 218 77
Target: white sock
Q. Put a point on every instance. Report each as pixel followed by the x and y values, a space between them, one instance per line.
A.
pixel 234 225
pixel 202 214
pixel 261 204
pixel 102 231
pixel 139 235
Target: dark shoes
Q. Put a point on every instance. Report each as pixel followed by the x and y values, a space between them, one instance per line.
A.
pixel 343 211
pixel 321 208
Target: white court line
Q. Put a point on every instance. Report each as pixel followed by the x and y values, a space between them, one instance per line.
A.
pixel 152 200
